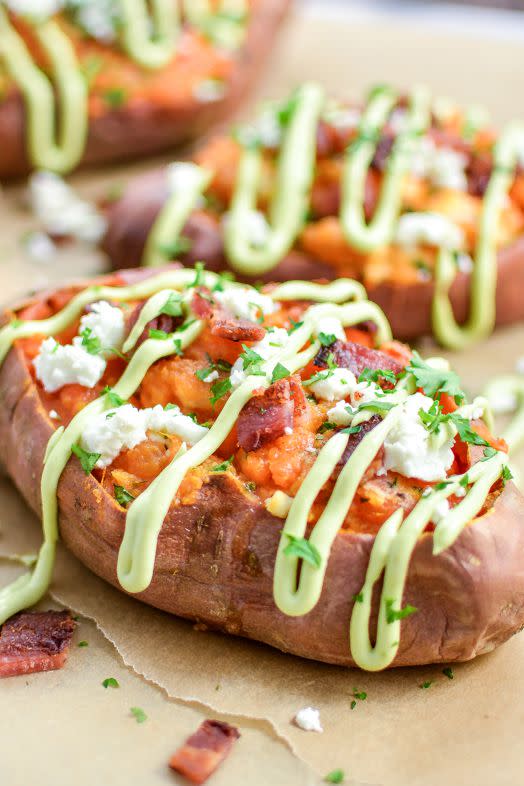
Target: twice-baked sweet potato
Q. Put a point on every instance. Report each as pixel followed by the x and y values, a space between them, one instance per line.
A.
pixel 131 109
pixel 222 555
pixel 386 197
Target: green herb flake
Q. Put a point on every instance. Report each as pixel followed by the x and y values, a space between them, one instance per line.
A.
pixel 219 389
pixel 394 615
pixel 114 399
pixel 327 339
pixel 358 597
pixel 159 334
pixel 122 496
pixel 224 466
pixel 335 776
pixel 375 375
pixel 435 381
pixel 279 372
pixel 353 704
pixel 489 452
pixel 327 426
pixel 173 306
pixel 115 97
pixel 87 460
pixel 448 672
pixel 83 644
pixel 110 682
pixel 506 474
pixel 302 548
pixel 351 430
pixel 359 695
pixel 90 342
pixel 426 684
pixel 199 275
pixel 139 714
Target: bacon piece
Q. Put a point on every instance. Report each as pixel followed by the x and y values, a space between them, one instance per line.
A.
pixel 383 152
pixel 224 324
pixel 204 751
pixel 162 322
pixel 35 641
pixel 356 357
pixel 479 172
pixel 267 415
pixel 355 439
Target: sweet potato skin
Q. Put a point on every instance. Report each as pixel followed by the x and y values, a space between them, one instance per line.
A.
pixel 215 557
pixel 128 132
pixel 407 307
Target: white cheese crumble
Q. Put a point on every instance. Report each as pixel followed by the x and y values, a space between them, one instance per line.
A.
pixel 342 117
pixel 465 263
pixel 341 414
pixel 98 18
pixel 53 414
pixel 408 448
pixel 308 719
pixel 113 431
pixel 441 511
pixel 444 167
pixel 331 326
pixel 35 9
pixel 245 303
pixel 57 365
pixel 125 427
pixel 255 225
pixel 272 343
pixel 338 383
pixel 172 421
pixel 181 175
pixel 430 229
pixel 39 247
pixel 61 212
pixel 106 322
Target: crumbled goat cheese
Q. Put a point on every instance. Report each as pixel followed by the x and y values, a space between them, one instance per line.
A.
pixel 61 212
pixel 36 9
pixel 172 421
pixel 113 431
pixel 39 247
pixel 212 376
pixel 272 342
pixel 57 365
pixel 181 175
pixel 98 18
pixel 342 117
pixel 267 129
pixel 465 263
pixel 331 326
pixel 341 414
pixel 255 225
pixel 338 383
pixel 308 719
pixel 209 90
pixel 440 512
pixel 430 229
pixel 245 303
pixel 106 322
pixel 409 449
pixel 53 414
pixel 442 166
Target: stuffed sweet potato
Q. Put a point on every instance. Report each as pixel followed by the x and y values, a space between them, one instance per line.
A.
pixel 259 460
pixel 421 203
pixel 101 81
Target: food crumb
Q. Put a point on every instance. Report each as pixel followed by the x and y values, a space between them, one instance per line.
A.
pixel 308 719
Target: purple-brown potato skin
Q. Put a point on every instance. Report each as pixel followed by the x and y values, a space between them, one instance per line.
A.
pixel 135 131
pixel 408 308
pixel 215 558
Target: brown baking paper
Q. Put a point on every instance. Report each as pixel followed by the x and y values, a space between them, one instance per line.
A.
pixel 465 730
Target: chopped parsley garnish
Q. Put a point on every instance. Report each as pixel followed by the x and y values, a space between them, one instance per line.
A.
pixel 83 644
pixel 442 485
pixel 434 418
pixel 375 406
pixel 279 372
pixel 176 248
pixel 464 481
pixel 214 365
pixel 327 426
pixel 199 277
pixel 178 347
pixel 219 389
pixel 110 682
pixel 251 361
pixel 114 399
pixel 351 430
pixel 160 334
pixel 489 452
pixel 335 776
pixel 173 306
pixel 300 547
pixel 394 615
pixel 90 342
pixel 358 597
pixel 426 684
pixel 360 695
pixel 224 466
pixel 115 97
pixel 435 381
pixel 506 474
pixel 448 672
pixel 374 375
pixel 123 496
pixel 294 326
pixel 327 339
pixel 139 714
pixel 16 323
pixel 87 460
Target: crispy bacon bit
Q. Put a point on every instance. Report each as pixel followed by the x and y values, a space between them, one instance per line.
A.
pixel 479 172
pixel 162 322
pixel 267 415
pixel 356 357
pixel 355 439
pixel 383 152
pixel 204 751
pixel 224 324
pixel 35 641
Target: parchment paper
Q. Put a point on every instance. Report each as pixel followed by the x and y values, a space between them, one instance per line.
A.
pixel 65 728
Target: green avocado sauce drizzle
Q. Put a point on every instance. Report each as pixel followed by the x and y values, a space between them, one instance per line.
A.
pixel 396 540
pixel 292 195
pixel 148 33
